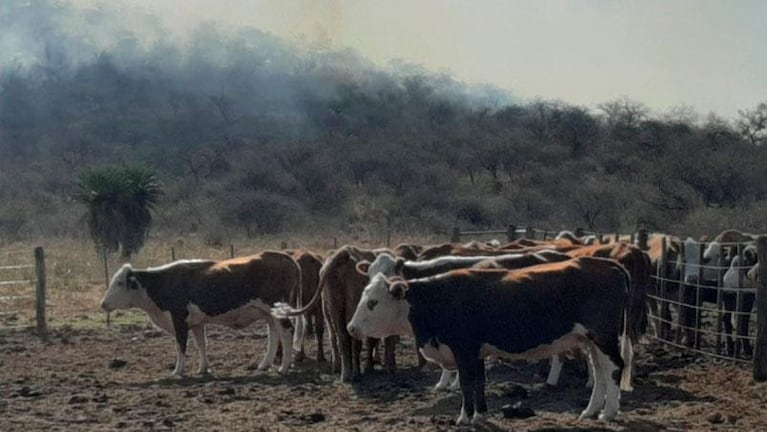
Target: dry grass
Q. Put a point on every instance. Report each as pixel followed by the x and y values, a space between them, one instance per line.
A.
pixel 76 277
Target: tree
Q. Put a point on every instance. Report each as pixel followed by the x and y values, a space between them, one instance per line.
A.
pixel 119 205
pixel 752 124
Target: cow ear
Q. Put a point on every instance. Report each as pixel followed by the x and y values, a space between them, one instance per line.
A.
pixel 363 267
pixel 398 288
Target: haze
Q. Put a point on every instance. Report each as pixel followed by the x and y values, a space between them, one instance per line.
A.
pixel 707 55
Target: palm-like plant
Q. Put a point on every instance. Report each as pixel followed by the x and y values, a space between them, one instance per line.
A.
pixel 119 203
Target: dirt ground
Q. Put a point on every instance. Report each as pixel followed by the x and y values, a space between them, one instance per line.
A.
pixel 117 379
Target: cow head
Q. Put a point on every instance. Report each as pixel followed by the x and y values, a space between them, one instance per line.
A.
pixel 383 309
pixel 123 290
pixel 384 263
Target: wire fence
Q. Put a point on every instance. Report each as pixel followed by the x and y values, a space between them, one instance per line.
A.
pixel 22 290
pixel 696 302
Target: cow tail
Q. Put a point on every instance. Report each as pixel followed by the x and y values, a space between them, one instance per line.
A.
pixel 286 311
pixel 300 322
pixel 627 345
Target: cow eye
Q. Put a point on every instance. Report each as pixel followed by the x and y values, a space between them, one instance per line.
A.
pixel 372 304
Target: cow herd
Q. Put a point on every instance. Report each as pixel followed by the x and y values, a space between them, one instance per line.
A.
pixel 525 300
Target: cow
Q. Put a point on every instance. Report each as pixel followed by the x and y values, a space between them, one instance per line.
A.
pixel 339 290
pixel 738 282
pixel 310 264
pixel 186 295
pixel 389 265
pixel 462 316
pixel 667 276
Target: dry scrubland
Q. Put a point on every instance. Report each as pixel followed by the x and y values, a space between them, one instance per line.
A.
pixel 89 377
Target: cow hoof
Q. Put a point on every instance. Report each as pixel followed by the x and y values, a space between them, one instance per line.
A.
pixel 283 369
pixel 587 414
pixel 263 366
pixel 300 356
pixel 463 419
pixel 607 416
pixel 204 372
pixel 478 419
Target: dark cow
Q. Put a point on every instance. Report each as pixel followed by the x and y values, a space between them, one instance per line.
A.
pixel 310 264
pixel 389 266
pixel 667 276
pixel 340 288
pixel 184 296
pixel 463 316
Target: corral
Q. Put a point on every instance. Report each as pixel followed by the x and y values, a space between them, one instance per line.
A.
pixel 90 377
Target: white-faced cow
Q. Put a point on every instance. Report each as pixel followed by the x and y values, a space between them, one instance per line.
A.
pixel 460 317
pixel 389 266
pixel 186 295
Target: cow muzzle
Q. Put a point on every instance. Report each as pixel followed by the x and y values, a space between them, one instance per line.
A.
pixel 106 306
pixel 353 332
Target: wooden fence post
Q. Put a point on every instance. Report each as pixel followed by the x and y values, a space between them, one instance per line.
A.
pixel 579 232
pixel 42 323
pixel 172 253
pixel 456 238
pixel 231 250
pixel 511 233
pixel 642 239
pixel 760 349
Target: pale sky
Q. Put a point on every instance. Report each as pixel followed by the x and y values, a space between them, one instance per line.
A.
pixel 710 55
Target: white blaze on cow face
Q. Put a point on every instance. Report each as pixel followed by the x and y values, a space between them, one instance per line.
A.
pixel 380 313
pixel 120 294
pixel 711 259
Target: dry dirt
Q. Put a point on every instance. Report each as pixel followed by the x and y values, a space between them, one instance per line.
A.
pixel 117 379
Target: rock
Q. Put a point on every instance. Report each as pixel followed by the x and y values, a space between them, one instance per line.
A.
pixel 117 363
pixel 715 418
pixel 517 411
pixel 315 417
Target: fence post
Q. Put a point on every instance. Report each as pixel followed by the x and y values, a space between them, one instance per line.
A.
pixel 231 250
pixel 511 233
pixel 642 239
pixel 530 233
pixel 456 238
pixel 42 323
pixel 738 305
pixel 579 232
pixel 172 253
pixel 284 245
pixel 760 349
pixel 665 327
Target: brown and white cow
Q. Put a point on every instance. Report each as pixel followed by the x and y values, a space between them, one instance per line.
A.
pixel 340 288
pixel 187 295
pixel 310 264
pixel 460 317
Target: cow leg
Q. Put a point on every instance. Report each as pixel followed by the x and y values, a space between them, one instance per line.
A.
pixel 555 370
pixel 744 317
pixel 444 379
pixel 282 326
pixel 298 337
pixel 345 352
pixel 612 391
pixel 371 354
pixel 479 394
pixel 198 332
pixel 181 330
pixel 729 305
pixel 390 346
pixel 597 398
pixel 356 348
pixel 468 370
pixel 272 344
pixel 319 334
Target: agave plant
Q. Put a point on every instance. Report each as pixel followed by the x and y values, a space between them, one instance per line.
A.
pixel 119 203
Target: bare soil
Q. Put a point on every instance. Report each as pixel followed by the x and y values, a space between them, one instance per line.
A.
pixel 117 379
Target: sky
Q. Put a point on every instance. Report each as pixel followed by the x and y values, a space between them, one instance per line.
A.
pixel 704 54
